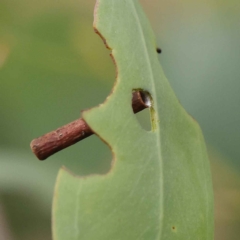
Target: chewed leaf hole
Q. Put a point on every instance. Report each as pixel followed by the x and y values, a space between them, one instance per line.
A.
pixel 141 104
pixel 143 118
pixel 89 162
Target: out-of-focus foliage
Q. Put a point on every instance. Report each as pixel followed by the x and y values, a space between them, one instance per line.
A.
pixel 226 182
pixel 52 66
pixel 201 55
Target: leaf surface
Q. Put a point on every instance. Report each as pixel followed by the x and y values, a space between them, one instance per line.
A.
pixel 159 186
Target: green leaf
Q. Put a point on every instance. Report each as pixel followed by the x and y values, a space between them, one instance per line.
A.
pixel 159 186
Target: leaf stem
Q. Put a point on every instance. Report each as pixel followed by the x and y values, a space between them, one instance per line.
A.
pixel 71 133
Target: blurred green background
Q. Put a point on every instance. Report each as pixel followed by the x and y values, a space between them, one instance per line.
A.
pixel 52 65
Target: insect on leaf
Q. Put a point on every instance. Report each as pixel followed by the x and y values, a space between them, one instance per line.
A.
pixel 159 186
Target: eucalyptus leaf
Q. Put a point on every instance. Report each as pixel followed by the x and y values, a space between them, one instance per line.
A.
pixel 159 186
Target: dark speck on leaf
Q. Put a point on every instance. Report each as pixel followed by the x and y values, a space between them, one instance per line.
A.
pixel 159 50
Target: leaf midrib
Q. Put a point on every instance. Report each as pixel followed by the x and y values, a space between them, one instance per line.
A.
pixel 155 103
